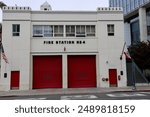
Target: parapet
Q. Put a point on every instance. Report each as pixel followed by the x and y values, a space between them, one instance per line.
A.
pixel 16 8
pixel 109 9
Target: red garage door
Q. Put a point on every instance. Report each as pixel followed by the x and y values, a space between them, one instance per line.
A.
pixel 81 71
pixel 47 72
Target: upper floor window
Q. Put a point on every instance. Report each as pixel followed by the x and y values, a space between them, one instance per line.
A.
pixel 16 29
pixel 110 29
pixel 70 31
pixel 90 30
pixel 38 31
pixel 58 30
pixel 47 31
pixel 80 30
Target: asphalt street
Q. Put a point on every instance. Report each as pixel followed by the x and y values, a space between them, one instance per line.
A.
pixel 90 96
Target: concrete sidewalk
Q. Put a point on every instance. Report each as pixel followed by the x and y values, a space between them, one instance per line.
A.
pixel 72 91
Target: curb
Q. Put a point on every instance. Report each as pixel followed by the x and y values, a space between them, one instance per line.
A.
pixel 70 91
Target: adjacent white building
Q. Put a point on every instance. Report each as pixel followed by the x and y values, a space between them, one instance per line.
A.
pixel 62 49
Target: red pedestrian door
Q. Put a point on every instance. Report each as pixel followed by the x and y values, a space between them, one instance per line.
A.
pixel 15 77
pixel 113 77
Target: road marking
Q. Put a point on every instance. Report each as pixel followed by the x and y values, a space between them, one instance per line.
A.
pixel 31 99
pixel 78 97
pixel 125 95
pixel 145 92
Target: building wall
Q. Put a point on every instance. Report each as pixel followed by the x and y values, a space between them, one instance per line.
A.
pixel 20 50
pixel 128 5
pixel 133 10
pixel 0 44
pixel 17 49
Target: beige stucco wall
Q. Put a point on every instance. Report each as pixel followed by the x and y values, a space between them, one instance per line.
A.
pixel 20 50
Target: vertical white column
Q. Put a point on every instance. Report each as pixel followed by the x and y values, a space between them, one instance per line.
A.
pixel 64 30
pixel 143 25
pixel 127 33
pixel 98 80
pixel 64 71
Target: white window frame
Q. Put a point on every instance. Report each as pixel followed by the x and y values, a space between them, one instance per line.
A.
pixel 44 31
pixel 15 29
pixel 91 31
pixel 111 29
pixel 70 31
pixel 48 31
pixel 80 30
pixel 59 32
pixel 35 30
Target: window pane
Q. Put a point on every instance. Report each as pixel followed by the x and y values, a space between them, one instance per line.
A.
pixel 93 29
pixel 37 29
pixel 14 28
pixel 108 28
pixel 88 29
pixel 112 28
pixel 67 29
pixel 77 29
pixel 18 28
pixel 58 30
pixel 135 32
pixel 73 29
pixel 70 31
pixel 48 31
pixel 82 29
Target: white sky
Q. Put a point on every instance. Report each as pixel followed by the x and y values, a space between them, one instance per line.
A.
pixel 59 4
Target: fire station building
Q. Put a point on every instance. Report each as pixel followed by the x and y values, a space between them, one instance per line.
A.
pixel 62 49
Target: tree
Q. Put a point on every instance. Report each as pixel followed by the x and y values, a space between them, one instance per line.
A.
pixel 2 4
pixel 140 53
